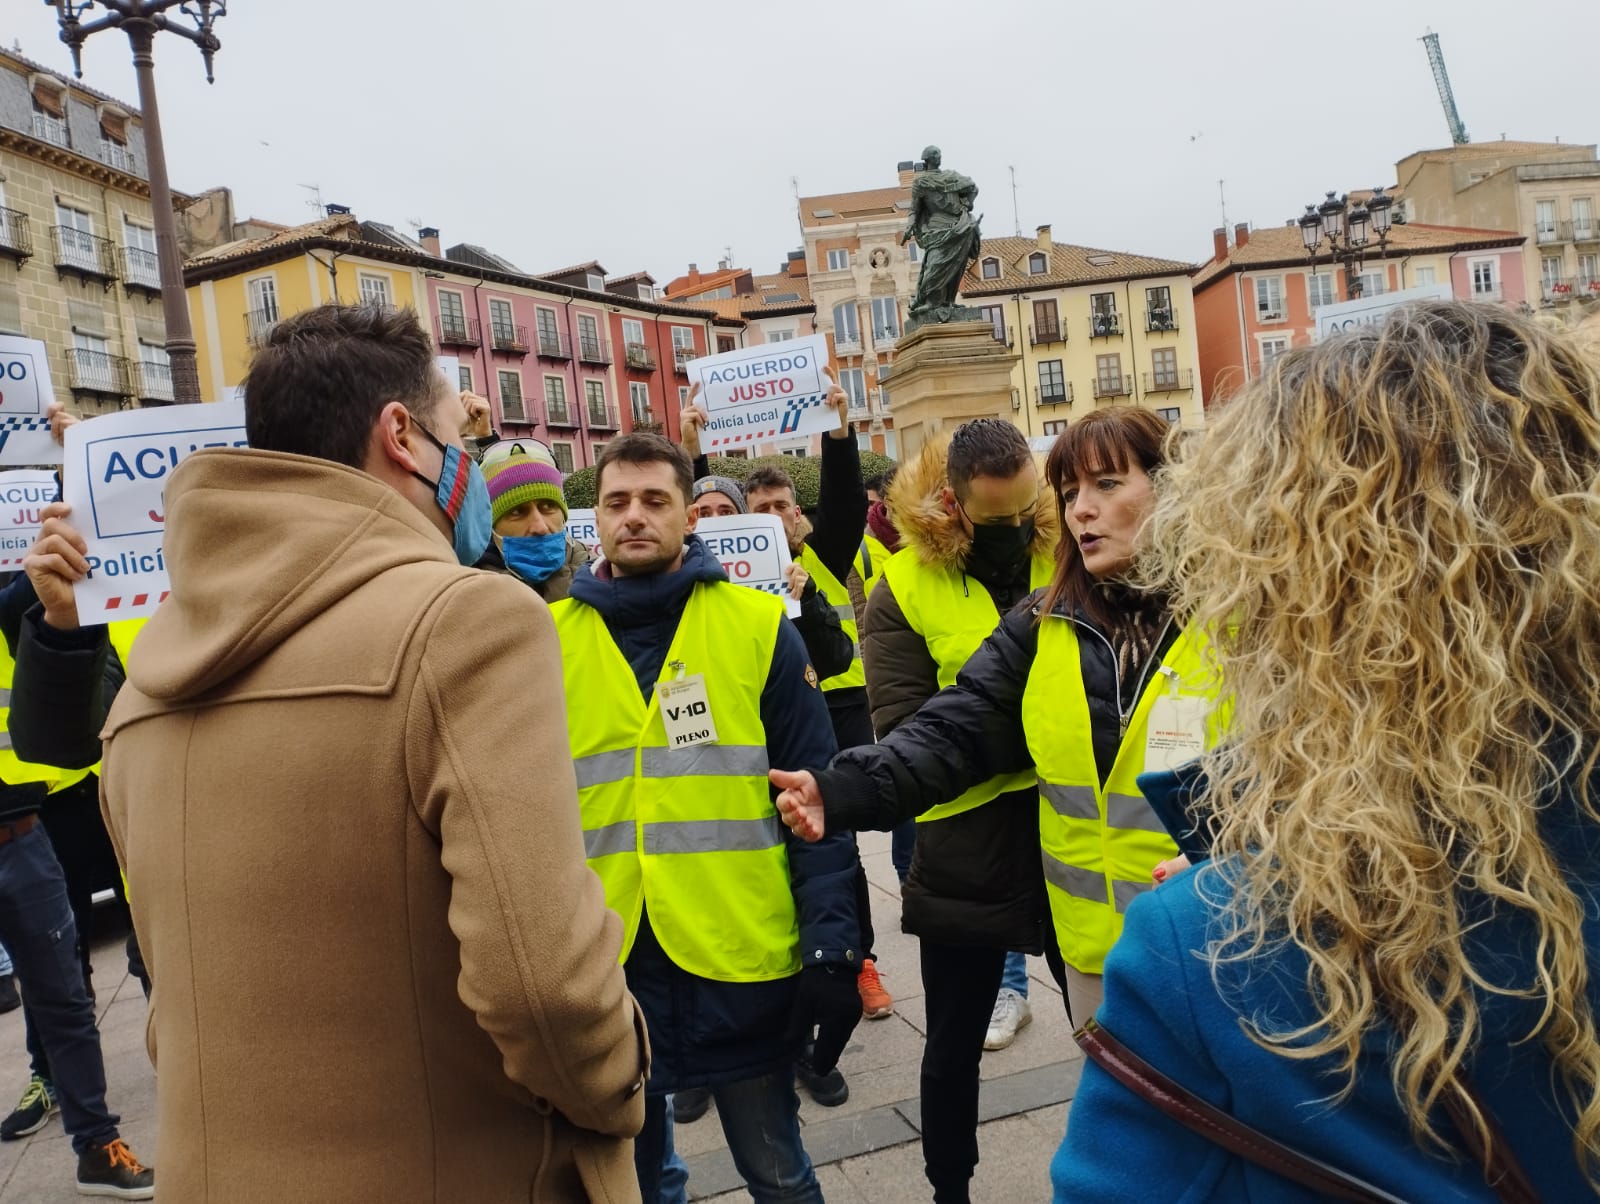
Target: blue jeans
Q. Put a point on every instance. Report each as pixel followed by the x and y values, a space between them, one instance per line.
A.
pixel 902 840
pixel 36 926
pixel 1016 974
pixel 761 1120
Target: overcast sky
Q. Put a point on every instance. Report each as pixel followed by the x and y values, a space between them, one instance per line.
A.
pixel 652 133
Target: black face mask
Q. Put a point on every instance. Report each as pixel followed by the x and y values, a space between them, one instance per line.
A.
pixel 1000 554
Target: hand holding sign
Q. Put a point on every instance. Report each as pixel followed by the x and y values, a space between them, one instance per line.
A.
pixel 764 393
pixel 753 551
pixel 57 561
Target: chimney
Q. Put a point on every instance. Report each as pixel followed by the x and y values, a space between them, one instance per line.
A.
pixel 338 210
pixel 1241 234
pixel 1219 241
pixel 1044 238
pixel 906 168
pixel 694 275
pixel 428 236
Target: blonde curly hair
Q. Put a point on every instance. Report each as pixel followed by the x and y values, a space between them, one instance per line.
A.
pixel 1394 540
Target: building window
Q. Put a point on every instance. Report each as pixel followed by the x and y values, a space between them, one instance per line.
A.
pixel 77 238
pixel 799 453
pixel 1544 221
pixel 1550 273
pixel 853 382
pixel 1164 367
pixel 262 298
pixel 725 343
pixel 1374 283
pixel 838 261
pixel 1108 375
pixel 1052 382
pixel 464 376
pixel 555 401
pixel 995 315
pixel 374 290
pixel 1038 265
pixel 594 396
pixel 1172 414
pixel 1272 348
pixel 511 396
pixel 1046 321
pixel 991 269
pixel 633 332
pixel 1056 427
pixel 1269 298
pixel 561 453
pixel 1427 274
pixel 503 328
pixel 846 324
pixel 140 247
pixel 683 345
pixel 779 336
pixel 914 252
pixel 683 395
pixel 596 282
pixel 1320 289
pixel 544 321
pixel 716 294
pixel 1485 279
pixel 452 316
pixel 1158 308
pixel 1583 218
pixel 588 337
pixel 885 318
pixel 639 401
pixel 1589 273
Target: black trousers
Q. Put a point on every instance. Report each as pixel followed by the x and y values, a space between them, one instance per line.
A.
pixel 852 726
pixel 959 984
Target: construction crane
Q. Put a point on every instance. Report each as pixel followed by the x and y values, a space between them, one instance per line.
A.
pixel 1441 79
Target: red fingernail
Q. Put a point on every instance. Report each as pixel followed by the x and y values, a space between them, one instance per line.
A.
pixel 1160 873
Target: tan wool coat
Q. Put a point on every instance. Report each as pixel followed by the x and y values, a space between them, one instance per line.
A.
pixel 339 782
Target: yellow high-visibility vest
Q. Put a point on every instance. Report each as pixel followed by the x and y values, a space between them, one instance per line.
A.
pixel 839 599
pixel 1099 842
pixel 122 633
pixel 870 559
pixel 691 833
pixel 14 771
pixel 954 615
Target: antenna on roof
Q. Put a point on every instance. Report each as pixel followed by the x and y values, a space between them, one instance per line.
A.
pixel 1016 214
pixel 315 200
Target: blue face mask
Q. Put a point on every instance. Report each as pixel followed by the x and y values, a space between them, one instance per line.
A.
pixel 535 558
pixel 464 498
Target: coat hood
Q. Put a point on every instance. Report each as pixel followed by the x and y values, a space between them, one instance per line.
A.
pixel 258 545
pixel 916 507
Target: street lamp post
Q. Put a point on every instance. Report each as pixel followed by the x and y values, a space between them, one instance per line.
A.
pixel 1348 231
pixel 142 20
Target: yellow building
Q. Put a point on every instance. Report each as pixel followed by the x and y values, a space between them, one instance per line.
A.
pixel 240 290
pixel 1091 328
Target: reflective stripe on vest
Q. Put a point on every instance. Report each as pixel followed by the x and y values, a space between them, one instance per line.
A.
pixel 1099 842
pixel 954 615
pixel 689 833
pixel 870 559
pixel 839 599
pixel 122 633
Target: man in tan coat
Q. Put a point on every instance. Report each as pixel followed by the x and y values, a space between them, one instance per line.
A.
pixel 382 970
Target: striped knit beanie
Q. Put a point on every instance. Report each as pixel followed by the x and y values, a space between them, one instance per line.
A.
pixel 521 478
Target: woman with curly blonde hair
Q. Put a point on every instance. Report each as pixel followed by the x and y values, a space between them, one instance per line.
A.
pixel 1394 540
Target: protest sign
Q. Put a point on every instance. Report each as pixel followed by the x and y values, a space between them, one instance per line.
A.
pixel 116 475
pixel 25 391
pixel 758 394
pixel 450 365
pixel 581 529
pixel 753 551
pixel 1373 310
pixel 23 495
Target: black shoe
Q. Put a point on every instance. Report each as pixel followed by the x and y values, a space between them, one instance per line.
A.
pixel 10 1001
pixel 112 1170
pixel 830 1090
pixel 689 1106
pixel 32 1113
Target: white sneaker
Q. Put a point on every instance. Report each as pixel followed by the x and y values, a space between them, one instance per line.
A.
pixel 1011 1014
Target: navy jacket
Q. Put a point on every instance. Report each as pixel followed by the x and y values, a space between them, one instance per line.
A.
pixel 704 1032
pixel 1162 1001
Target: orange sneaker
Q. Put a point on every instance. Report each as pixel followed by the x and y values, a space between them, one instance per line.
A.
pixel 876 1003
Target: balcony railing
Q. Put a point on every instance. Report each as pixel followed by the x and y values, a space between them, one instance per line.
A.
pixel 1492 293
pixel 16 238
pixel 553 345
pixel 1589 286
pixel 681 357
pixel 594 351
pixel 460 332
pixel 1158 320
pixel 1053 395
pixel 1178 380
pixel 1586 232
pixel 259 323
pixel 508 338
pixel 1549 232
pixel 85 253
pixel 155 381
pixel 1105 326
pixel 885 339
pixel 1046 332
pixel 1119 387
pixel 641 357
pixel 144 269
pixel 114 154
pixel 602 417
pixel 558 413
pixel 513 408
pixel 51 129
pixel 645 422
pixel 97 372
pixel 848 344
pixel 1557 291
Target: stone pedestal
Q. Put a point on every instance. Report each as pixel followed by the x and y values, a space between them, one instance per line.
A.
pixel 945 375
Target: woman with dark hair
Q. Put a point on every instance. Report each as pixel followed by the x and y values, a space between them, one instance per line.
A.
pixel 1065 686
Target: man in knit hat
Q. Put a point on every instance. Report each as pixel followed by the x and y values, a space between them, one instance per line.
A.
pixel 718 497
pixel 530 518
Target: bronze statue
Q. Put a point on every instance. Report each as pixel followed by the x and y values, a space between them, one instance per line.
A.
pixel 948 235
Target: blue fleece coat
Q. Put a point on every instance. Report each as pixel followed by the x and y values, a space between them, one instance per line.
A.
pixel 1162 1002
pixel 704 1032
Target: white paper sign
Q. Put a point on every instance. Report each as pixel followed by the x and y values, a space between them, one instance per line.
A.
pixel 450 365
pixel 753 551
pixel 758 394
pixel 116 475
pixel 581 529
pixel 23 495
pixel 25 392
pixel 1369 311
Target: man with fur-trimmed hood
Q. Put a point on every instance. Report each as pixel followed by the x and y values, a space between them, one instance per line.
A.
pixel 977 533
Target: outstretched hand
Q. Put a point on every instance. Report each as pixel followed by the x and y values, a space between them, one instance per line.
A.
pixel 800 803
